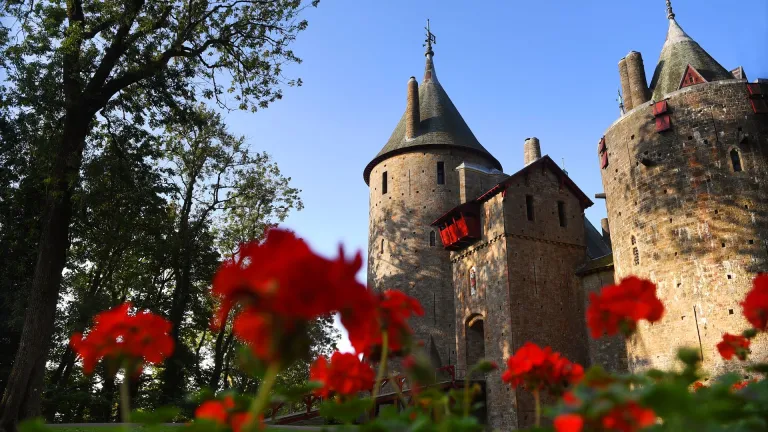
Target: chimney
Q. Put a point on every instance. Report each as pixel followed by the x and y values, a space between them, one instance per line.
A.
pixel 531 151
pixel 626 92
pixel 637 83
pixel 606 231
pixel 412 119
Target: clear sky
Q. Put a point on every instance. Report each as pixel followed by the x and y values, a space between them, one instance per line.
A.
pixel 514 69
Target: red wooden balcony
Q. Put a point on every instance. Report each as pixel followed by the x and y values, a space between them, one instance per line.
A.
pixel 460 230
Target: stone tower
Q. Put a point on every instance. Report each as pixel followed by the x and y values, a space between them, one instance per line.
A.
pixel 413 181
pixel 686 183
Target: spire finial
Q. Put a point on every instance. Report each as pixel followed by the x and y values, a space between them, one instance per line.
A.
pixel 670 14
pixel 430 40
pixel 620 100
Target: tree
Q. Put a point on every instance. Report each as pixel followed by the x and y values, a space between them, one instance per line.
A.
pixel 74 63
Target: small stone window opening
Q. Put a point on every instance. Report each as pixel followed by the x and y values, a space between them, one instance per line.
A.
pixel 440 173
pixel 561 213
pixel 529 206
pixel 730 277
pixel 751 242
pixel 472 281
pixel 382 246
pixel 432 238
pixel 384 182
pixel 730 311
pixel 735 160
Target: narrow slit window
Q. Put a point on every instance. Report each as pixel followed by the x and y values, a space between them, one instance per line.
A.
pixel 440 173
pixel 735 160
pixel 384 182
pixel 432 238
pixel 382 246
pixel 529 206
pixel 561 213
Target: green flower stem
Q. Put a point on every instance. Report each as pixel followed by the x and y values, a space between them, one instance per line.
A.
pixel 382 367
pixel 466 395
pixel 537 399
pixel 125 400
pixel 262 398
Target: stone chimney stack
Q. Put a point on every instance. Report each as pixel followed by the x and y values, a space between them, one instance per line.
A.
pixel 412 119
pixel 637 82
pixel 606 231
pixel 531 151
pixel 626 91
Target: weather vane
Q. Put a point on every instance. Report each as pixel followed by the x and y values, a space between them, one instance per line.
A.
pixel 620 100
pixel 430 39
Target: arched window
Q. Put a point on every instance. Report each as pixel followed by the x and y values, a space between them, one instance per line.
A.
pixel 432 238
pixel 472 281
pixel 735 160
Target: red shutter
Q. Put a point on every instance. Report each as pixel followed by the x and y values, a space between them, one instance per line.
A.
pixel 663 123
pixel 758 98
pixel 604 160
pixel 660 108
pixel 601 147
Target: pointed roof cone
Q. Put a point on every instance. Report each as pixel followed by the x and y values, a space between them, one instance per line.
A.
pixel 441 125
pixel 679 51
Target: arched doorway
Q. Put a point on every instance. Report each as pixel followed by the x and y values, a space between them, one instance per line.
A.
pixel 475 347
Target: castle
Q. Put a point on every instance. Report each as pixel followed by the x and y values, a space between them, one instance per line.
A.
pixel 500 259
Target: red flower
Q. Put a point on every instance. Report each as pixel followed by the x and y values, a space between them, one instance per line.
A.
pixel 569 423
pixel 619 307
pixel 755 304
pixel 285 277
pixel 536 369
pixel 344 375
pixel 733 345
pixel 698 385
pixel 628 417
pixel 223 412
pixel 271 338
pixel 741 384
pixel 141 338
pixel 570 399
pixel 372 315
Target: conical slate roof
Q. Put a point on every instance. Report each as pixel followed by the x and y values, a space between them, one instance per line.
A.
pixel 441 125
pixel 678 52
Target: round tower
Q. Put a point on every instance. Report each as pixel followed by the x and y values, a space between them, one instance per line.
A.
pixel 686 184
pixel 413 181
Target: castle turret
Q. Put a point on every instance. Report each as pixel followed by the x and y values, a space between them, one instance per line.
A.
pixel 626 89
pixel 686 185
pixel 414 180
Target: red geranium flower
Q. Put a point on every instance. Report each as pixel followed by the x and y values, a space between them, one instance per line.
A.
pixel 372 315
pixel 569 423
pixel 536 369
pixel 734 345
pixel 116 334
pixel 344 375
pixel 698 385
pixel 755 304
pixel 223 412
pixel 619 307
pixel 628 417
pixel 283 276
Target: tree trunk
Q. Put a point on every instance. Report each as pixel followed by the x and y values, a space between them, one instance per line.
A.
pixel 22 393
pixel 222 346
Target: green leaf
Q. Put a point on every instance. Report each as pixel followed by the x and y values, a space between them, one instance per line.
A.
pixel 759 368
pixel 34 425
pixel 159 415
pixel 689 356
pixel 347 411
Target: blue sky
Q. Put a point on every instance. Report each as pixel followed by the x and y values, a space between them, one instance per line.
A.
pixel 513 69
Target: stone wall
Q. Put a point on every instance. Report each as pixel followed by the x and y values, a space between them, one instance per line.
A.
pixel 547 304
pixel 608 352
pixel 490 303
pixel 686 220
pixel 399 251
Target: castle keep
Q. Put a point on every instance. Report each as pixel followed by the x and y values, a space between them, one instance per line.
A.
pixel 500 259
